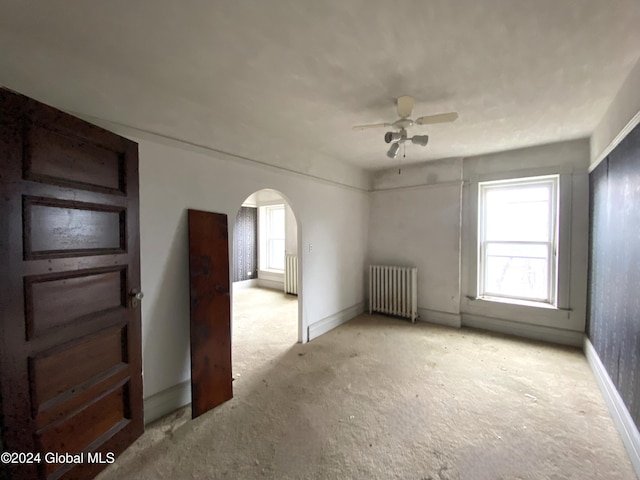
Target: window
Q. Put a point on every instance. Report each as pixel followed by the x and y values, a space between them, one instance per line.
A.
pixel 517 239
pixel 274 238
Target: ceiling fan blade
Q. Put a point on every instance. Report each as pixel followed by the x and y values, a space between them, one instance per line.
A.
pixel 405 106
pixel 438 118
pixel 372 125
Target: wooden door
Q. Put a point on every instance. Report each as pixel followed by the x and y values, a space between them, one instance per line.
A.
pixel 210 311
pixel 70 348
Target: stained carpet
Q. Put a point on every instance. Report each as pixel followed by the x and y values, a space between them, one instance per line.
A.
pixel 380 398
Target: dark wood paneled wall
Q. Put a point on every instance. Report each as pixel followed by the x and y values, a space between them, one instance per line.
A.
pixel 614 266
pixel 245 244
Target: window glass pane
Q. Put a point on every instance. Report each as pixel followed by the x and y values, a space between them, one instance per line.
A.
pixel 526 250
pixel 517 235
pixel 519 277
pixel 518 213
pixel 272 237
pixel 276 222
pixel 517 270
pixel 276 254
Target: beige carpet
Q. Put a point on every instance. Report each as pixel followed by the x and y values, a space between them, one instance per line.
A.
pixel 380 398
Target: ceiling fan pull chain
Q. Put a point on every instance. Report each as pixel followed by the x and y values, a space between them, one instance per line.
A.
pixel 404 154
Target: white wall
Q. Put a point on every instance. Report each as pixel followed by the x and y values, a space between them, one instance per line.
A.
pixel 622 115
pixel 174 178
pixel 415 220
pixel 426 216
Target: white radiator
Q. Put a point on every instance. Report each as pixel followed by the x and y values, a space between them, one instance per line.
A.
pixel 393 290
pixel 291 274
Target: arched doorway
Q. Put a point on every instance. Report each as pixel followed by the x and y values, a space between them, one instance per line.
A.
pixel 266 313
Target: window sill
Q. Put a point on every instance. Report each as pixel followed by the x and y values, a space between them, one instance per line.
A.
pixel 517 311
pixel 273 275
pixel 516 301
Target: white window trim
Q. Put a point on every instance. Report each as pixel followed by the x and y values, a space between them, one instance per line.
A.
pixel 552 245
pixel 525 312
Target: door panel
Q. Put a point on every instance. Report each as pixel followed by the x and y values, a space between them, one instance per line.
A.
pixel 210 311
pixel 70 377
pixel 61 228
pixel 57 300
pixel 54 157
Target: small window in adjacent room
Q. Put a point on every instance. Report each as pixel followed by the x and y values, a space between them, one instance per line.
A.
pixel 274 237
pixel 517 240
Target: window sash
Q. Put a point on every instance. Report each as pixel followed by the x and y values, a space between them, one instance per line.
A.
pixel 274 241
pixel 272 212
pixel 550 246
pixel 547 257
pixel 275 254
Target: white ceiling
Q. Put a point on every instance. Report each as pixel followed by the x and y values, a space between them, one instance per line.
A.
pixel 283 81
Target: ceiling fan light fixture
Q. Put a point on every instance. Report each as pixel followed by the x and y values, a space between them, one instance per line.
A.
pixel 420 140
pixel 393 150
pixel 390 137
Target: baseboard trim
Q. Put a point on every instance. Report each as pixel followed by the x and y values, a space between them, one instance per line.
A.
pixel 332 321
pixel 440 318
pixel 167 401
pixel 621 417
pixel 253 282
pixel 526 330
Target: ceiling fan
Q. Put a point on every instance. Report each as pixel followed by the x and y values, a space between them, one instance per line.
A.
pixel 405 107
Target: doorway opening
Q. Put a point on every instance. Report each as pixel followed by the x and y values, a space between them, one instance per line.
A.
pixel 266 313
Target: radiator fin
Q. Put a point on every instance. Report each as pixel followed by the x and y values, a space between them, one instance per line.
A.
pixel 291 274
